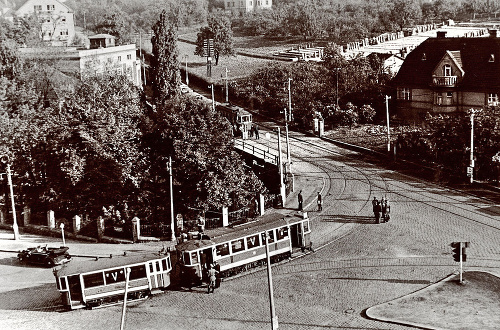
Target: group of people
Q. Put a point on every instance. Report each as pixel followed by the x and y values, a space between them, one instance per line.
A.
pixel 300 199
pixel 381 208
pixel 254 131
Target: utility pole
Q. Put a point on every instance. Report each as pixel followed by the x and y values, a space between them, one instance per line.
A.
pixel 470 169
pixel 213 97
pixel 290 100
pixel 124 308
pixel 274 318
pixel 187 77
pixel 337 91
pixel 172 223
pixel 227 90
pixel 5 159
pixel 387 98
pixel 282 184
pixel 288 152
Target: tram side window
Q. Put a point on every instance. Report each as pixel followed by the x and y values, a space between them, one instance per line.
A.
pixel 222 249
pixel 282 233
pixel 164 264
pixel 194 257
pixel 306 226
pixel 91 280
pixel 271 236
pixel 114 275
pixel 137 272
pixel 238 245
pixel 63 283
pixel 253 241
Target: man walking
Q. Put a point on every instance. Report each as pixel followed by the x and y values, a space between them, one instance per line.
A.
pixel 212 279
pixel 320 205
pixel 300 200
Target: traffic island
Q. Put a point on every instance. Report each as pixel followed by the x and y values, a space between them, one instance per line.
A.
pixel 447 304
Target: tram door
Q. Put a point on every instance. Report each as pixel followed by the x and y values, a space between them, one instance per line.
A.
pixel 75 290
pixel 296 235
pixel 206 259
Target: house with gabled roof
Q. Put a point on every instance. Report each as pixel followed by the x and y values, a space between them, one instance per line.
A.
pixel 56 19
pixel 449 75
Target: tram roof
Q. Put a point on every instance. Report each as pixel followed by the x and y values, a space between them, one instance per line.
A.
pixel 84 265
pixel 225 234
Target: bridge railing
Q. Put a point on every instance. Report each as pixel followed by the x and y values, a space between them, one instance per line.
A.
pixel 256 150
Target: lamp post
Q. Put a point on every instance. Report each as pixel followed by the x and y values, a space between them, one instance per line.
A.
pixel 172 223
pixel 187 76
pixel 280 158
pixel 226 87
pixel 5 159
pixel 290 100
pixel 387 98
pixel 274 318
pixel 470 170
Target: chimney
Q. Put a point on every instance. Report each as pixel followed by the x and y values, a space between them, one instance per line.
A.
pixel 441 34
pixel 493 33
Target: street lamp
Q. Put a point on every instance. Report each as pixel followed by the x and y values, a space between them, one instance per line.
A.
pixel 5 159
pixel 172 223
pixel 470 169
pixel 187 77
pixel 387 98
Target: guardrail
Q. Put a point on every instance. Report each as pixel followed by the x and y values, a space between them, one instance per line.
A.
pixel 257 151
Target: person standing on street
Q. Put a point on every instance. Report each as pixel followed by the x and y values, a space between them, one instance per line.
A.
pixel 376 209
pixel 320 202
pixel 300 200
pixel 256 132
pixel 212 278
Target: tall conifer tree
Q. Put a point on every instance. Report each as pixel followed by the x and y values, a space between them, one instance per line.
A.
pixel 165 62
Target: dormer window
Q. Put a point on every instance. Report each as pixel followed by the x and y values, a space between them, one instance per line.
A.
pixel 447 70
pixel 424 57
pixel 492 58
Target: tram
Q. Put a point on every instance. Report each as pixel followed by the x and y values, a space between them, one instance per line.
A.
pixel 240 118
pixel 237 249
pixel 100 282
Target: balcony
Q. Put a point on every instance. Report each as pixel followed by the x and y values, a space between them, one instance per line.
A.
pixel 444 81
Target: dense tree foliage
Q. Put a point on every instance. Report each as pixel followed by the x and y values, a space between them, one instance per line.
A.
pixel 445 141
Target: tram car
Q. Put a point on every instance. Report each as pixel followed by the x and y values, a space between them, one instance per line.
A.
pixel 237 249
pixel 99 282
pixel 240 118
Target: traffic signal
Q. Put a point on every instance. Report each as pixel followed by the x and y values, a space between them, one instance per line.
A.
pixel 457 250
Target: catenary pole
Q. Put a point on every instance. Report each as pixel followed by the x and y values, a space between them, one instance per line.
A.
pixel 172 223
pixel 274 318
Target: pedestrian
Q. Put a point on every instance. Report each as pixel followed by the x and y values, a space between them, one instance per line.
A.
pixel 257 132
pixel 212 278
pixel 383 208
pixel 387 211
pixel 252 130
pixel 374 202
pixel 376 210
pixel 320 205
pixel 300 200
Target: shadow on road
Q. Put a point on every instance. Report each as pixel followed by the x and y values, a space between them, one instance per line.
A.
pixel 42 298
pixel 388 280
pixel 348 219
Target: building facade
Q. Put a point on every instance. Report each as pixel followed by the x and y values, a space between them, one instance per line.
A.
pixel 104 57
pixel 245 6
pixel 56 19
pixel 448 75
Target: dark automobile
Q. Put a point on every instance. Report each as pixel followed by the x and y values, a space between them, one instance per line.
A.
pixel 45 256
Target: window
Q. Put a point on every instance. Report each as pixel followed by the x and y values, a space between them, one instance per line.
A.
pixel 492 58
pixel 449 94
pixel 92 280
pixel 282 233
pixel 271 236
pixel 63 19
pixel 492 99
pixel 222 249
pixel 194 257
pixel 51 7
pixel 119 58
pixel 424 57
pixel 253 241
pixel 238 245
pixel 63 283
pixel 447 70
pixel 439 100
pixel 404 94
pixel 164 264
pixel 114 275
pixel 38 7
pixel 64 32
pixel 129 56
pixel 137 272
pixel 306 227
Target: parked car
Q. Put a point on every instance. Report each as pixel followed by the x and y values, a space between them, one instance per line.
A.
pixel 45 256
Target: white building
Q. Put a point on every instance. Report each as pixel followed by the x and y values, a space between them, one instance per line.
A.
pixel 56 19
pixel 245 6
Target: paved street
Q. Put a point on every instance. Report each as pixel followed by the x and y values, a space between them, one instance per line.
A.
pixel 357 263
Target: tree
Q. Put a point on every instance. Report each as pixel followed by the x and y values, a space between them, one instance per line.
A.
pixel 207 172
pixel 113 23
pixel 165 60
pixel 405 13
pixel 218 29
